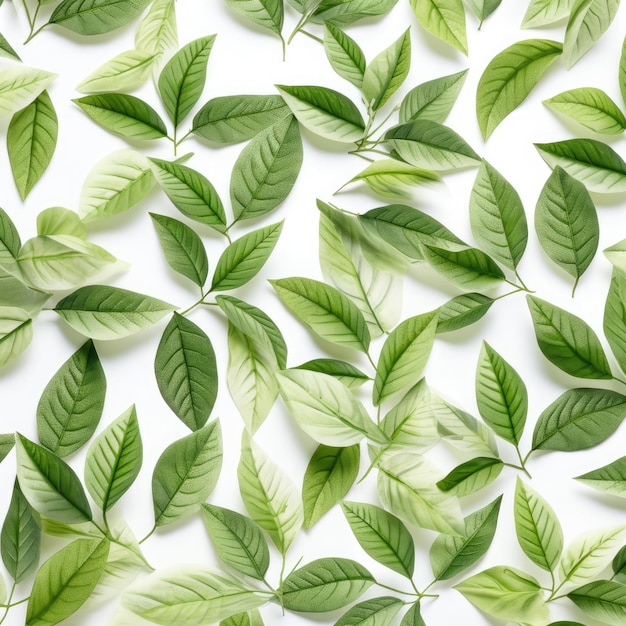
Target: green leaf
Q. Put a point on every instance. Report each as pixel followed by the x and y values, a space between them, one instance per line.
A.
pixel 186 371
pixel 15 293
pixel 483 8
pixel 404 355
pixel 249 618
pixel 6 445
pixel 181 81
pixel 452 554
pixel 326 409
pixel 590 107
pixel 325 585
pixel 125 115
pixel 604 600
pixel 266 170
pixel 431 146
pixel 329 475
pixel 238 541
pixel 114 460
pixel 186 474
pixel 183 248
pixel 191 192
pixel 566 223
pixel 615 317
pixel 501 395
pixel 462 311
pixel 95 17
pixel 407 486
pixel 49 484
pixel 57 220
pixel 244 258
pixel 346 12
pixel 386 72
pixel 20 85
pixel 10 242
pixel 506 593
pixel 568 341
pixel 344 54
pixel 432 100
pixel 592 162
pixel 497 217
pixel 325 112
pixel 469 268
pixel 444 19
pixel 103 312
pixel 115 184
pixel 21 537
pixel 31 141
pixel 195 594
pixel 231 119
pixel 509 77
pixel 537 527
pixel 6 49
pixel 590 553
pixel 157 32
pixel 345 373
pixel 579 419
pixel 413 617
pixel 70 406
pixel 374 612
pixel 616 255
pixel 610 478
pixel 16 333
pixel 66 580
pixel 382 535
pixel 268 494
pixel 471 476
pixel 588 21
pixel 265 13
pixel 622 72
pixel 325 310
pixel 546 12
pixel 124 72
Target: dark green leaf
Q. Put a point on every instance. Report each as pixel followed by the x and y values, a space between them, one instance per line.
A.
pixel 373 612
pixel 471 476
pixel 346 12
pixel 344 54
pixel 6 49
pixel 413 617
pixel 462 311
pixel 610 478
pixel 10 242
pixel 6 445
pixel 604 600
pixel 350 376
pixel 615 317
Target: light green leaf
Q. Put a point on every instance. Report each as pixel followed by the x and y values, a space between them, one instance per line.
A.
pixel 268 494
pixel 10 242
pixel 615 317
pixel 20 85
pixel 413 617
pixel 6 50
pixel 509 77
pixel 325 585
pixel 31 141
pixel 537 527
pixel 15 293
pixel 103 312
pixel 266 170
pixel 186 474
pixel 404 355
pixel 546 12
pixel 157 32
pixel 471 476
pixel 373 612
pixel 346 12
pixel 124 72
pixel 616 255
pixel 325 112
pixel 181 81
pixel 483 8
pixel 444 19
pixel 344 54
pixel 186 371
pixel 16 333
pixel 604 600
pixel 249 618
pixel 462 311
pixel 610 478
pixel 265 13
pixel 244 258
pixel 350 376
pixel 114 460
pixel 70 406
pixel 329 475
pixel 57 220
pixel 116 183
pixel 622 72
pixel 326 409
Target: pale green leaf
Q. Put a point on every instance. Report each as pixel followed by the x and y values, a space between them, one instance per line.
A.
pixel 610 478
pixel 124 72
pixel 444 19
pixel 16 333
pixel 546 12
pixel 374 612
pixel 268 14
pixel 157 32
pixel 344 54
pixel 20 85
pixel 471 476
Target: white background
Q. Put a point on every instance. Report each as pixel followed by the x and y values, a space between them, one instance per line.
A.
pixel 248 60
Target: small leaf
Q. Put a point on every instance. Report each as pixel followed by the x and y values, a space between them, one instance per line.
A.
pixel 444 19
pixel 157 32
pixel 610 478
pixel 6 50
pixel 16 333
pixel 344 54
pixel 265 13
pixel 20 85
pixel 484 8
pixel 471 476
pixel 373 612
pixel 413 617
pixel 10 242
pixel 462 311
pixel 6 445
pixel 125 71
pixel 345 373
pixel 546 12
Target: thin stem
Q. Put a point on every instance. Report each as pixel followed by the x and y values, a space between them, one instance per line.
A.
pixel 506 295
pixel 526 458
pixel 387 118
pixel 183 138
pixel 17 602
pixel 284 46
pixel 575 285
pixel 521 282
pixel 100 529
pixel 362 156
pixel 369 150
pixel 512 465
pixel 369 358
pixel 373 464
pixel 303 20
pixel 31 21
pixel 406 593
pixel 417 591
pixel 522 462
pixel 191 308
pixel 312 36
pixel 152 531
pixel 175 139
pixel 429 586
pixel 34 34
pixel 8 604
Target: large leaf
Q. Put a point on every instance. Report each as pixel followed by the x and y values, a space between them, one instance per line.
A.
pixel 509 77
pixel 186 474
pixel 16 333
pixel 70 406
pixel 604 600
pixel 444 19
pixel 125 71
pixel 344 54
pixel 610 478
pixel 95 17
pixel 462 311
pixel 265 13
pixel 20 85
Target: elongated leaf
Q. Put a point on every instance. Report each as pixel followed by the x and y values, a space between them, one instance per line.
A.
pixel 546 12
pixel 70 406
pixel 186 474
pixel 377 611
pixel 95 17
pixel 238 541
pixel 103 312
pixel 567 341
pixel 602 599
pixel 157 32
pixel 16 333
pixel 452 554
pixel 244 258
pixel 497 217
pixel 328 477
pixel 114 460
pixel 186 371
pixel 483 8
pixel 579 419
pixel 181 81
pixel 6 445
pixel 325 310
pixel 471 476
pixel 125 71
pixel 231 119
pixel 270 497
pixel 266 170
pixel 509 77
pixel 610 478
pixel 66 580
pixel 325 112
pixel 382 535
pixel 614 323
pixel 346 12
pixel 462 311
pixel 444 19
pixel 6 50
pixel 352 377
pixel 537 526
pixel 265 13
pixel 404 355
pixel 344 54
pixel 325 585
pixel 20 85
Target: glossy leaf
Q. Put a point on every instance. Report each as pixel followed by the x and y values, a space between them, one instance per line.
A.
pixel 344 54
pixel 125 71
pixel 444 19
